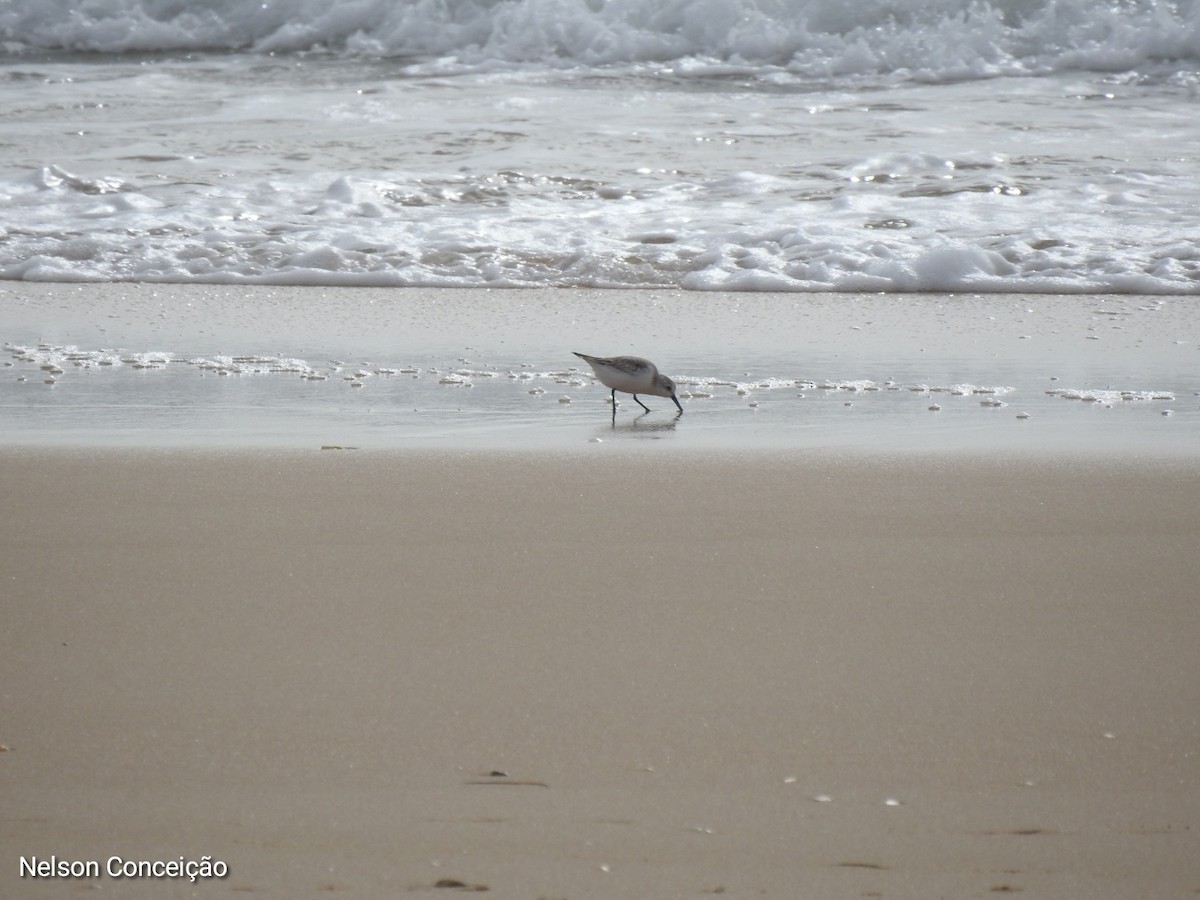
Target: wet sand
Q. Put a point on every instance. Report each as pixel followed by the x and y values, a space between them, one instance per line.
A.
pixel 189 366
pixel 732 674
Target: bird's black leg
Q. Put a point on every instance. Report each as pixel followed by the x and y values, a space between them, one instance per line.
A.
pixel 614 408
pixel 641 404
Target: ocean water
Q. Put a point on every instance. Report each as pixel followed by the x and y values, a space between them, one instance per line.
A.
pixel 1045 146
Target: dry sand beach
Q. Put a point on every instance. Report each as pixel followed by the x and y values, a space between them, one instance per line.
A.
pixel 640 668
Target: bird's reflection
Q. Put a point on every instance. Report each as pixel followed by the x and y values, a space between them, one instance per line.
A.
pixel 647 425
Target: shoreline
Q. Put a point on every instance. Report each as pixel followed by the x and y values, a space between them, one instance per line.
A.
pixel 179 366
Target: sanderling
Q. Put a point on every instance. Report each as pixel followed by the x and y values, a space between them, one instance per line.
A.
pixel 631 375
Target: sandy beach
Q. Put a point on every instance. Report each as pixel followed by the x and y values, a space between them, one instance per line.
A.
pixel 835 645
pixel 741 675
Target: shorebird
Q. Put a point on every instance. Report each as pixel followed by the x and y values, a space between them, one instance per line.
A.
pixel 631 375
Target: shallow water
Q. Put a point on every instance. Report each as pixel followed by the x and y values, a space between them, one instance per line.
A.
pixel 376 368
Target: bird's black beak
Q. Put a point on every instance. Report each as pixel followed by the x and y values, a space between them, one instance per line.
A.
pixel 676 399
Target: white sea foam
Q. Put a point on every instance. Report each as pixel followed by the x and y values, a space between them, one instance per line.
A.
pixel 709 144
pixel 59 359
pixel 930 38
pixel 1109 397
